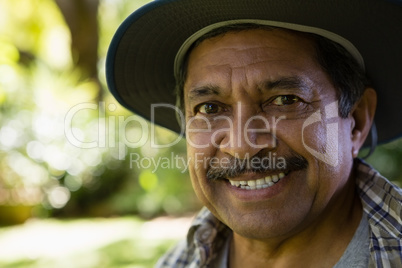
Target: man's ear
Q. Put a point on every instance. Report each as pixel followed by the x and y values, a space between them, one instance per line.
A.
pixel 363 115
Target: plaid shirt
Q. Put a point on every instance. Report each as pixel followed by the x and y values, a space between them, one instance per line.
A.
pixel 382 205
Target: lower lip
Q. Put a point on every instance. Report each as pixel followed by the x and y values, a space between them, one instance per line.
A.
pixel 258 194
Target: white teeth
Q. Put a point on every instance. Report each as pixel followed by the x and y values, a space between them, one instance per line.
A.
pixel 258 184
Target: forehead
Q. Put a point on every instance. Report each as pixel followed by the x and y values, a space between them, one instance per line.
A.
pixel 256 40
pixel 269 52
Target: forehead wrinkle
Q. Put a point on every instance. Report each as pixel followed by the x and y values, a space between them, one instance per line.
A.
pixel 244 56
pixel 240 76
pixel 290 82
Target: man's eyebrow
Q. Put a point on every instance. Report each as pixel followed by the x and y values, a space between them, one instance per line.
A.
pixel 203 91
pixel 292 82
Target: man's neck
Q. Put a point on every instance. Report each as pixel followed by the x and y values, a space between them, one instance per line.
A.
pixel 321 244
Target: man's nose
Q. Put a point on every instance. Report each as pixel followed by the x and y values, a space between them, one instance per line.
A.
pixel 251 133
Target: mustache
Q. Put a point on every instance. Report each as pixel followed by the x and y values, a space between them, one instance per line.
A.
pixel 259 163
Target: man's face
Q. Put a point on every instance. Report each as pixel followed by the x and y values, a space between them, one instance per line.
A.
pixel 260 92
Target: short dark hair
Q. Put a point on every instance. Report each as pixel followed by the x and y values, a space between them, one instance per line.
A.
pixel 347 76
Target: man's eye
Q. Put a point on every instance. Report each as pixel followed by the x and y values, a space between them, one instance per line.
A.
pixel 208 108
pixel 285 100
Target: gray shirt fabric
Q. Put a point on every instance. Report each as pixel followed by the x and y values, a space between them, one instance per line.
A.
pixel 356 254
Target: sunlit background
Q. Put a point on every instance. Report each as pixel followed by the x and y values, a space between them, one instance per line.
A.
pixel 69 194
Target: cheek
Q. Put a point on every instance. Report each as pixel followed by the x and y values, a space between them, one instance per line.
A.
pixel 320 140
pixel 203 132
pixel 326 146
pixel 314 138
pixel 290 132
pixel 196 175
pixel 329 142
pixel 198 158
pixel 197 141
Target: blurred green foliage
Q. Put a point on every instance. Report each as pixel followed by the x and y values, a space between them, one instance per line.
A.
pixel 44 168
pixel 387 159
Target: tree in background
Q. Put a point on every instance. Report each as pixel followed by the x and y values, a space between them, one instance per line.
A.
pixel 81 17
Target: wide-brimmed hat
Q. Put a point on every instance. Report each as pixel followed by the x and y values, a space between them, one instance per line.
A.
pixel 144 53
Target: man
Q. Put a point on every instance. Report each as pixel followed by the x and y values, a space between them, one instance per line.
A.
pixel 275 108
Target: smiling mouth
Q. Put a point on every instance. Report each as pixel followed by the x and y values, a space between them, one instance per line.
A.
pixel 258 184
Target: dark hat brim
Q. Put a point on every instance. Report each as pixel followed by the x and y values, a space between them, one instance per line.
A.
pixel 140 60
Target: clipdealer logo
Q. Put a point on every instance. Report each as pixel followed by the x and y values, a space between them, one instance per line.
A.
pixel 111 130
